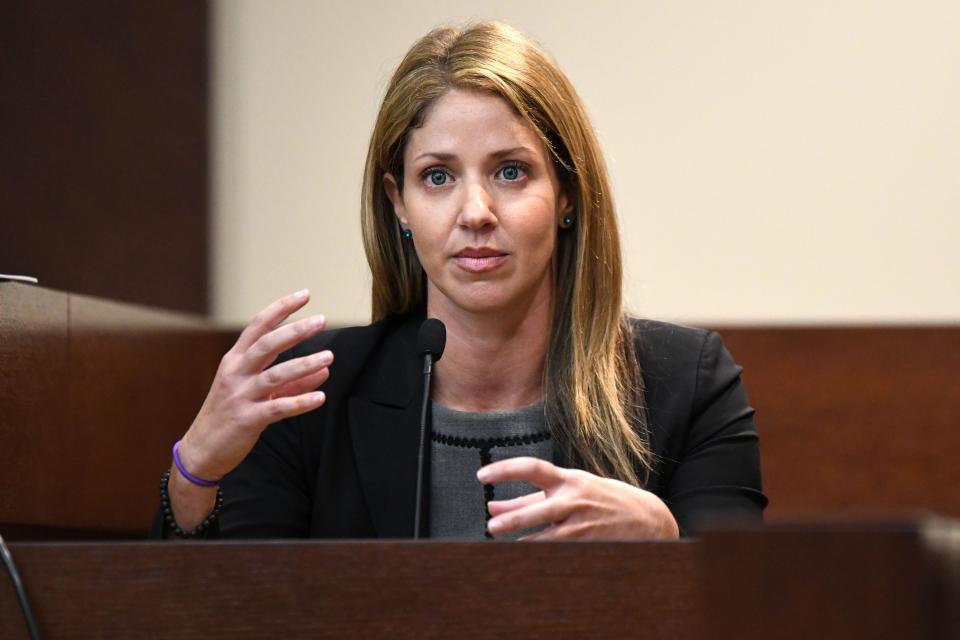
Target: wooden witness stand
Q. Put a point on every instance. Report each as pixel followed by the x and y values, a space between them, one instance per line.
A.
pixel 876 581
pixel 92 391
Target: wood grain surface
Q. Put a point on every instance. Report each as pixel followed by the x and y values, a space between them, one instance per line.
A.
pixel 858 419
pixel 839 581
pixel 827 580
pixel 357 590
pixel 93 395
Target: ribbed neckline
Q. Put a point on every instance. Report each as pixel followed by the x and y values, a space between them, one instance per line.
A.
pixel 489 424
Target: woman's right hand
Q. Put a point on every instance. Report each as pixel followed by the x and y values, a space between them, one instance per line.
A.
pixel 246 396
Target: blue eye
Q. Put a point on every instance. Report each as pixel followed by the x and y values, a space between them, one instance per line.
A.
pixel 512 172
pixel 438 178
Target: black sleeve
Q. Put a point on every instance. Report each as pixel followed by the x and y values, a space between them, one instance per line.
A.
pixel 718 475
pixel 269 495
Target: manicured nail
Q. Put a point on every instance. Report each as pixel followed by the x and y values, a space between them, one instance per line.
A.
pixel 493 526
pixel 317 322
pixel 300 295
pixel 325 357
pixel 483 475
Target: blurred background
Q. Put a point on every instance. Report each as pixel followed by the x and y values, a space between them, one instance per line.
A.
pixel 773 162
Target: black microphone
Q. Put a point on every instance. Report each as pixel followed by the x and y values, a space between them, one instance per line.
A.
pixel 431 340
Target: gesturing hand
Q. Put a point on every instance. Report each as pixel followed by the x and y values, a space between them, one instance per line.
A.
pixel 577 504
pixel 245 396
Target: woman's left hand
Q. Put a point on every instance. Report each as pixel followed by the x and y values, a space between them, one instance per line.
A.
pixel 577 505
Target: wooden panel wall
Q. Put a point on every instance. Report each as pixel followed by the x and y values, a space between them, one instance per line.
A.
pixel 857 419
pixel 92 396
pixel 103 159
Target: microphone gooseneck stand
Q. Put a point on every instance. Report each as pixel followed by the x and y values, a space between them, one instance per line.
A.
pixel 431 340
pixel 11 568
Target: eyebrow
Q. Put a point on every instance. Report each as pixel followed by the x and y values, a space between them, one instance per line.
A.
pixel 440 155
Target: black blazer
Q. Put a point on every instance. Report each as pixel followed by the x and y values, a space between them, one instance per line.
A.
pixel 348 469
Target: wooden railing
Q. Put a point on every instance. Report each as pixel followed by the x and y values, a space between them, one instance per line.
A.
pixel 828 582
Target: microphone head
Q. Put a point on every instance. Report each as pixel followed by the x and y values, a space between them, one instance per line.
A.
pixel 432 338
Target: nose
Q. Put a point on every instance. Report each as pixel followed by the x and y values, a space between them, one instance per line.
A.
pixel 476 210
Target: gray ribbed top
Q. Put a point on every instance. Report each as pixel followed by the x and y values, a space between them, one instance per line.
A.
pixel 463 442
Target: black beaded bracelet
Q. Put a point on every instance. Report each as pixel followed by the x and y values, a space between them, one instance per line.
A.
pixel 171 521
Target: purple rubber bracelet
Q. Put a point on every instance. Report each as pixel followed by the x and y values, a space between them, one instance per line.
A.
pixel 186 474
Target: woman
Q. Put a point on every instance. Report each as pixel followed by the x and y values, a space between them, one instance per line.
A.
pixel 486 204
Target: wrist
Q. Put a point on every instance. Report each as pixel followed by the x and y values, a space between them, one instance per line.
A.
pixel 654 517
pixel 193 464
pixel 189 503
pixel 187 491
pixel 189 510
pixel 667 526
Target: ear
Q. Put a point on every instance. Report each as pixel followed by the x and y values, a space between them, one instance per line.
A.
pixel 396 198
pixel 565 204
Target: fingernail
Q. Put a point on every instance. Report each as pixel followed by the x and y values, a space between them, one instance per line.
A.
pixel 483 475
pixel 300 295
pixel 493 526
pixel 316 322
pixel 326 357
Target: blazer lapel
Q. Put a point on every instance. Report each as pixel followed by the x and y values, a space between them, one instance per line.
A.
pixel 385 431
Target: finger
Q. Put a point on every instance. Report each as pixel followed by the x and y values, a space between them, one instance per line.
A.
pixel 270 318
pixel 267 347
pixel 539 473
pixel 305 384
pixel 284 373
pixel 496 507
pixel 279 408
pixel 547 511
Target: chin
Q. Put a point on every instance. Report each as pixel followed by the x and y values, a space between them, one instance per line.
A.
pixel 489 298
pixel 485 304
pixel 504 294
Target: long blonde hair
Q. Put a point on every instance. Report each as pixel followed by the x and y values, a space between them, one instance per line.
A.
pixel 593 392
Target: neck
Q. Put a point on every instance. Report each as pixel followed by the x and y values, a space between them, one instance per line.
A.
pixel 492 360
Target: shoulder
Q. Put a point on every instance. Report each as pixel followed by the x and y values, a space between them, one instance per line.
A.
pixel 676 355
pixel 701 425
pixel 685 370
pixel 665 344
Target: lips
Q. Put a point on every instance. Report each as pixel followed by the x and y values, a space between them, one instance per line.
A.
pixel 479 252
pixel 479 259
